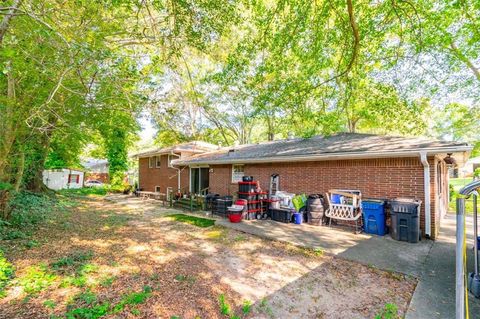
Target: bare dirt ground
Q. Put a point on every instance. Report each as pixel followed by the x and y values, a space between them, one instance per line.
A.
pixel 103 259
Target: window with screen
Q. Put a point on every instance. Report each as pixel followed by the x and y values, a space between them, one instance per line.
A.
pixel 151 161
pixel 157 161
pixel 237 173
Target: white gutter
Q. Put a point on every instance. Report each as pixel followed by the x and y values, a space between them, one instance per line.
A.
pixel 326 156
pixel 426 188
pixel 178 170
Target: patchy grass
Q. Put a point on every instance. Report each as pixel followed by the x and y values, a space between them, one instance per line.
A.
pixel 92 308
pixel 74 261
pixel 83 269
pixel 192 220
pixel 85 191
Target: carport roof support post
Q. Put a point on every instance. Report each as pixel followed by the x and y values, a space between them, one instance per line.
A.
pixel 459 260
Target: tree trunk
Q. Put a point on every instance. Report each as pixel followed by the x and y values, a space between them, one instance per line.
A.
pixel 36 184
pixel 20 170
pixel 6 19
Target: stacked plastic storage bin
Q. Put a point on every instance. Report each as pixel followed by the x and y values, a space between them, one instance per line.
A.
pixel 248 190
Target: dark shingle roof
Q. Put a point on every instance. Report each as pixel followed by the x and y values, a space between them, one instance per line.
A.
pixel 193 147
pixel 338 144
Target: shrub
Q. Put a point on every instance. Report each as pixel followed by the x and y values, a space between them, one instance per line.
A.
pixel 26 210
pixel 476 173
pixel 29 208
pixel 451 191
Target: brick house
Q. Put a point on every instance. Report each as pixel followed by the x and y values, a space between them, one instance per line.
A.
pixel 378 166
pixel 157 174
pixel 96 169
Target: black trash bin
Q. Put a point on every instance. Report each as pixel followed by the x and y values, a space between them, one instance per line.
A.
pixel 405 219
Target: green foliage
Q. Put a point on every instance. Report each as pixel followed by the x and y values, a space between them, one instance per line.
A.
pixel 76 268
pixel 94 312
pixel 192 220
pixel 6 186
pixel 75 260
pixel 108 281
pixel 36 279
pixel 27 209
pixel 451 191
pixel 49 304
pixel 132 299
pixel 116 146
pixel 30 208
pixel 246 307
pixel 93 308
pixel 476 173
pixel 390 311
pixel 7 272
pixel 85 191
pixel 224 306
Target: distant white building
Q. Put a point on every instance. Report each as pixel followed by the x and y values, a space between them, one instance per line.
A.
pixel 63 178
pixel 470 166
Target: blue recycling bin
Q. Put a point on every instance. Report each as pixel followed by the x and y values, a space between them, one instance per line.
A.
pixel 297 218
pixel 374 217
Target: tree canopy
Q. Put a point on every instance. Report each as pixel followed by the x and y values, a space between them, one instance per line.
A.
pixel 76 73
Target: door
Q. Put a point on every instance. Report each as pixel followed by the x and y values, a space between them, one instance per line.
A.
pixel 199 179
pixel 204 178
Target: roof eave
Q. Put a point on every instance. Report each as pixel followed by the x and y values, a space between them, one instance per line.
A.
pixel 330 156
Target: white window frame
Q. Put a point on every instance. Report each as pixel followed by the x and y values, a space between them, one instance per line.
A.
pixel 151 161
pixel 157 189
pixel 170 159
pixel 237 176
pixel 158 161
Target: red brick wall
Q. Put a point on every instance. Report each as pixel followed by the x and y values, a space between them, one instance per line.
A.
pixel 163 176
pixel 375 178
pixel 102 177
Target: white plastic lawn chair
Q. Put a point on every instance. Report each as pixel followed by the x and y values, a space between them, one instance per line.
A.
pixel 349 212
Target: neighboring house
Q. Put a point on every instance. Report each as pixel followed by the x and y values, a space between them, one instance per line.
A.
pixel 470 166
pixel 97 169
pixel 157 174
pixel 63 178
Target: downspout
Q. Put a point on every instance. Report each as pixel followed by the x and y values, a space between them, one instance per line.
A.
pixel 178 171
pixel 426 188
